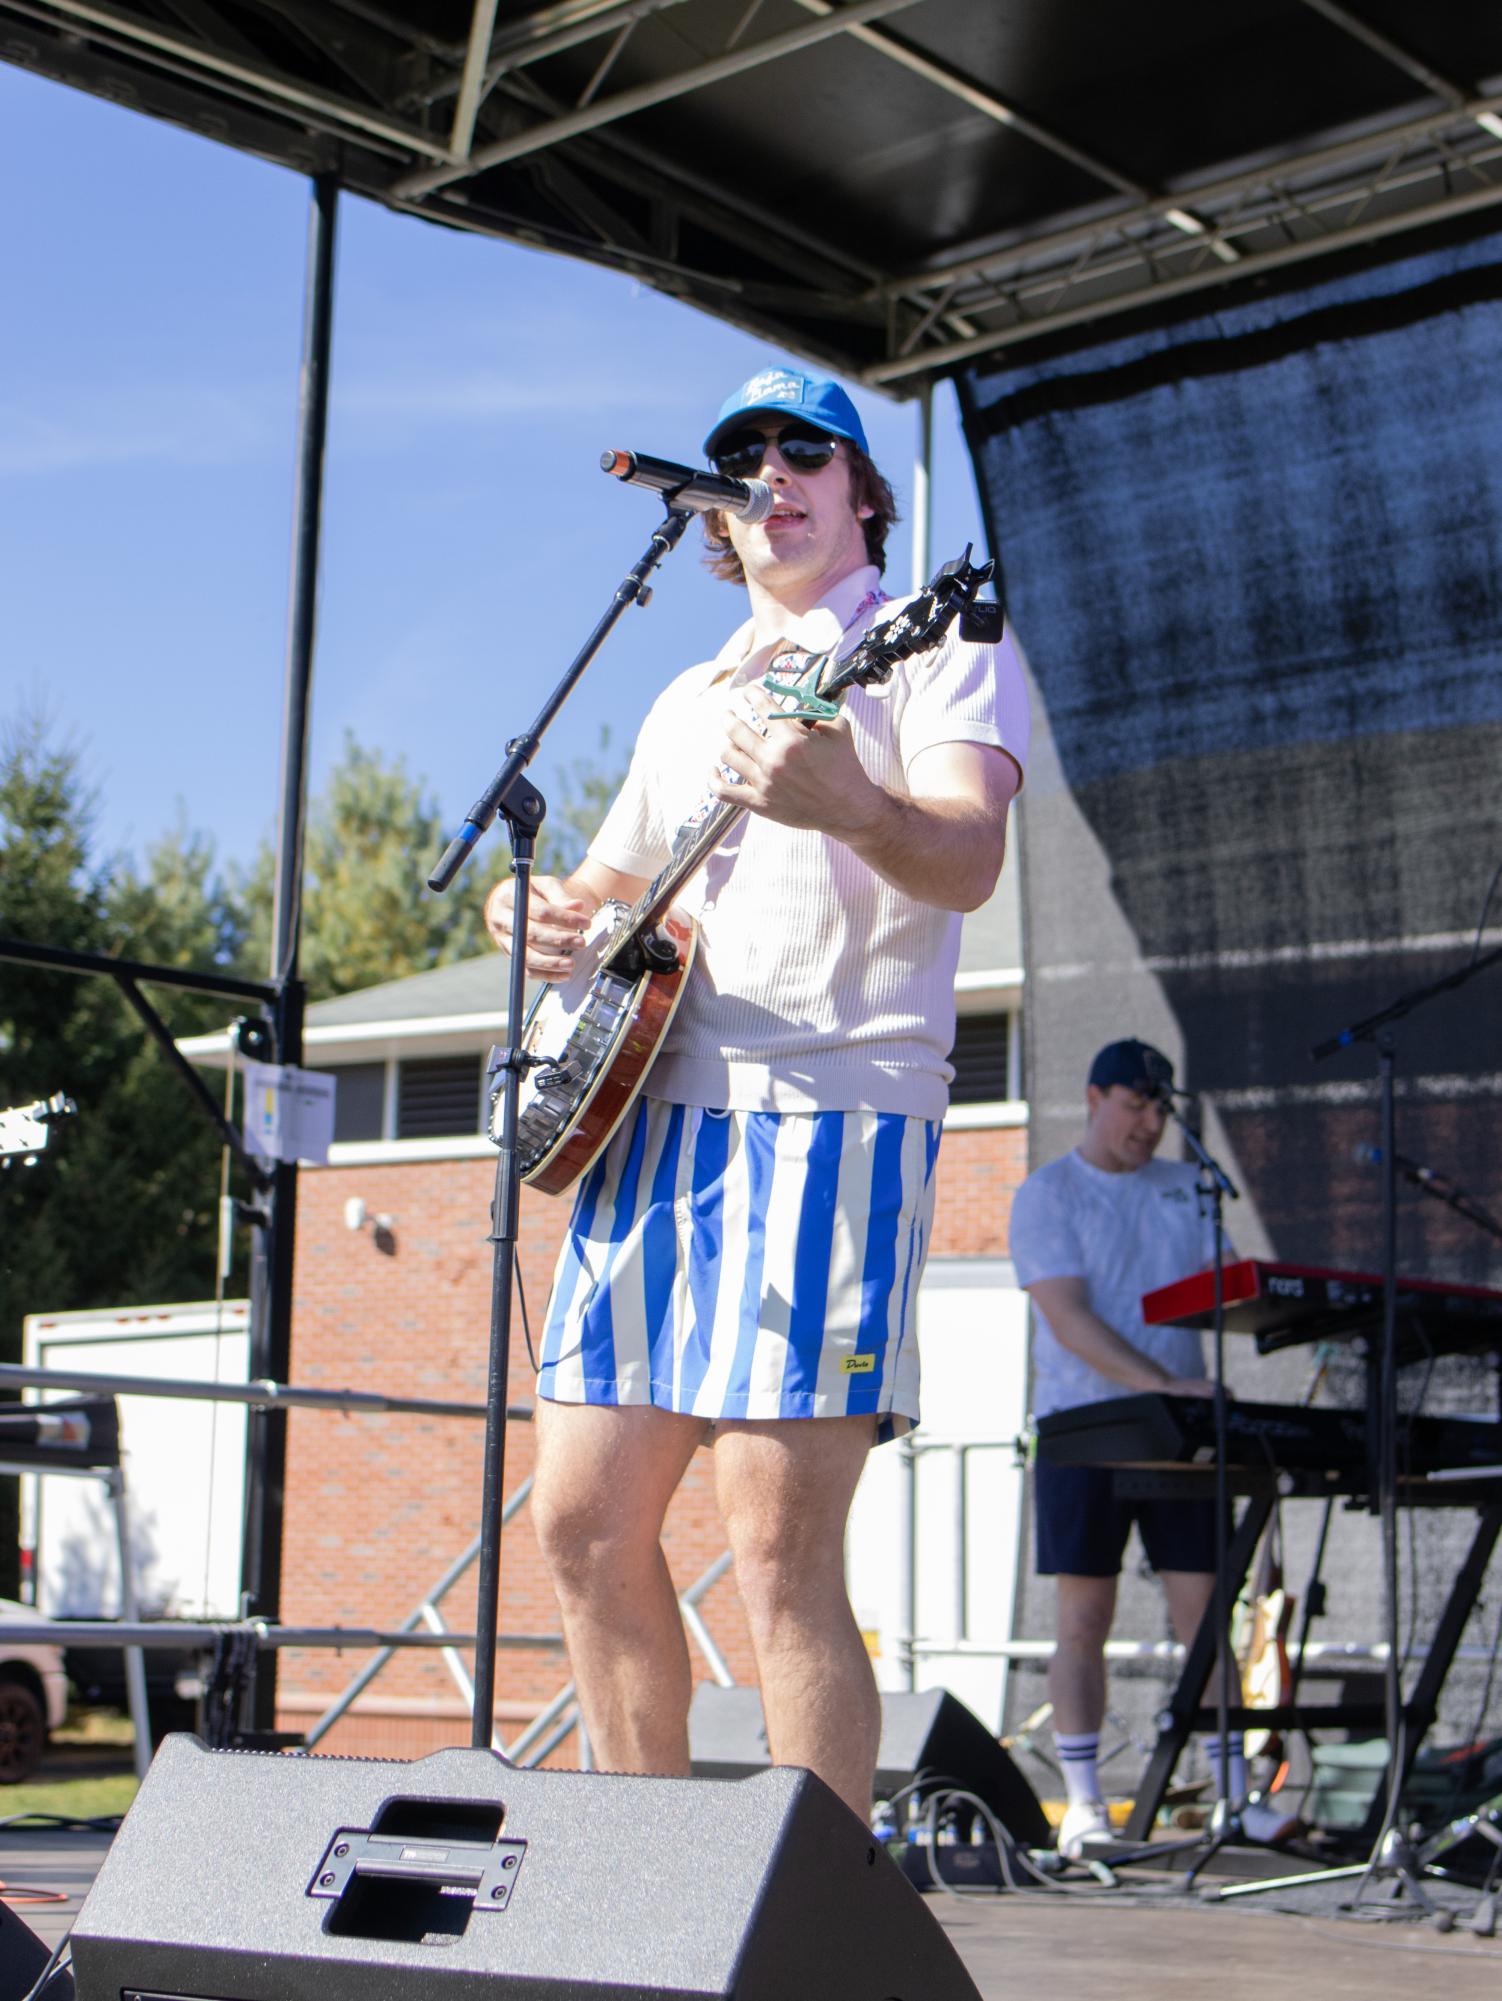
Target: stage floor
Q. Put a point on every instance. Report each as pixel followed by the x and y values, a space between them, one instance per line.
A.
pixel 1147 1941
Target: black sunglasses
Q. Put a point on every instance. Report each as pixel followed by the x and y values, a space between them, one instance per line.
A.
pixel 803 449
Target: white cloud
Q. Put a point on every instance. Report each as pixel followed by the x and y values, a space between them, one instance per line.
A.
pixel 176 424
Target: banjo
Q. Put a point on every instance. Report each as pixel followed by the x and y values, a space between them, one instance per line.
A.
pixel 588 1042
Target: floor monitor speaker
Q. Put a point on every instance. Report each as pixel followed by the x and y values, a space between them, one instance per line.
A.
pixel 23 1958
pixel 929 1740
pixel 255 1877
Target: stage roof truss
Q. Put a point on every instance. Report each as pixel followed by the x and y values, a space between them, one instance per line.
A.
pixel 891 187
pixel 1262 220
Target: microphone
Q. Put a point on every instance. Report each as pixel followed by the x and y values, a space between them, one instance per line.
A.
pixel 748 500
pixel 1373 1156
pixel 1157 1083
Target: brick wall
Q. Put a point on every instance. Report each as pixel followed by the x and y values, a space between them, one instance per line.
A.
pixel 379 1506
pixel 979 1171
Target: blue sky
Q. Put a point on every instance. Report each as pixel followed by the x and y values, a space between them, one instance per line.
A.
pixel 149 353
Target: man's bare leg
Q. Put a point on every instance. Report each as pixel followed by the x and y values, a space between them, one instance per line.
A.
pixel 1077 1672
pixel 785 1489
pixel 1189 1593
pixel 605 1475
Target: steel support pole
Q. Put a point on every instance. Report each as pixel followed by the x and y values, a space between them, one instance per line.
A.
pixel 130 1614
pixel 923 488
pixel 907 1564
pixel 271 1317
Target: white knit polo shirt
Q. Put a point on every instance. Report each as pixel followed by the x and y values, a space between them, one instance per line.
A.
pixel 818 986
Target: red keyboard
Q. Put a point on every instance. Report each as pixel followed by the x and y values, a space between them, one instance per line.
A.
pixel 1285 1304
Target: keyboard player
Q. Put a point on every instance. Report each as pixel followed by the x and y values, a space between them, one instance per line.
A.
pixel 1090 1233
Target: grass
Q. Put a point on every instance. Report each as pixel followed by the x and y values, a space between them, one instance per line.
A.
pixel 97 1728
pixel 86 1774
pixel 73 1799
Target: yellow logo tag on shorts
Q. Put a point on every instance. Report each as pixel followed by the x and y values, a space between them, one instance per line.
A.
pixel 858 1365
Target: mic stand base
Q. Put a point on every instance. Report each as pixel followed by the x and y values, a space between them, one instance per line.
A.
pixel 1395 1862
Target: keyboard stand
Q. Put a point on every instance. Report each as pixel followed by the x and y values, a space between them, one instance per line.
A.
pixel 1179 1718
pixel 1185 1713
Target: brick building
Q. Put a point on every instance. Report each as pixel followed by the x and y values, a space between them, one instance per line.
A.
pixel 380 1507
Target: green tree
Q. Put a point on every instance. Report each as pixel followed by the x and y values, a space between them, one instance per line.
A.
pixel 368 915
pixel 578 797
pixel 120 1208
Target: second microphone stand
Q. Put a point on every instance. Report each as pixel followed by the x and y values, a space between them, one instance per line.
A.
pixel 1215 1186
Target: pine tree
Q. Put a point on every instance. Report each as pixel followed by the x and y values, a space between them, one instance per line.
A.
pixel 373 836
pixel 578 799
pixel 368 915
pixel 120 1207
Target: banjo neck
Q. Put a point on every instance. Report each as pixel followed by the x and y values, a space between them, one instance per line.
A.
pixel 810 695
pixel 695 841
pixel 706 835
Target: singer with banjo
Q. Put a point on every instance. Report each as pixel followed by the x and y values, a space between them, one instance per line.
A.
pixel 742 1263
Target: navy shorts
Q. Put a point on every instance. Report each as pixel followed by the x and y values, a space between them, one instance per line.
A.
pixel 1082 1525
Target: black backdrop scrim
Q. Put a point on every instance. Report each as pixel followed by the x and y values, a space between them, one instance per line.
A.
pixel 1253 558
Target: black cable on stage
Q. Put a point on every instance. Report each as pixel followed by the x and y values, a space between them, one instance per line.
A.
pixel 521 1300
pixel 59 1962
pixel 105 1823
pixel 1491 1675
pixel 1485 907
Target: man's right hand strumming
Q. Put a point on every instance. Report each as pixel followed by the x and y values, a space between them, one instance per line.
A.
pixel 558 914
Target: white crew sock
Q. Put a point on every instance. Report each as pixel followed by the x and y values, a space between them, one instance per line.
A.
pixel 1236 1761
pixel 1077 1760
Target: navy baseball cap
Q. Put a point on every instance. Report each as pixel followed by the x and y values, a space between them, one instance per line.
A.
pixel 813 398
pixel 1135 1064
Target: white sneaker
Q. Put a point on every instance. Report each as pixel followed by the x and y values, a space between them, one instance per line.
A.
pixel 1086 1824
pixel 1267 1824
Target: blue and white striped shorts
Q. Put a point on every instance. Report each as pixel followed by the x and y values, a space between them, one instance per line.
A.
pixel 747 1264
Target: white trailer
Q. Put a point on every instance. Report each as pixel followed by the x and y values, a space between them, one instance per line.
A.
pixel 184 1464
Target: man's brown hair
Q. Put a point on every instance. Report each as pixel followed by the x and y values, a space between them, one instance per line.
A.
pixel 868 488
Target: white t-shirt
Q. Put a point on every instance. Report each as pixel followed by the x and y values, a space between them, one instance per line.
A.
pixel 818 986
pixel 1124 1234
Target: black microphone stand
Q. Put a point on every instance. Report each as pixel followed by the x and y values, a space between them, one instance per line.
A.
pixel 1214 1187
pixel 1440 1188
pixel 513 796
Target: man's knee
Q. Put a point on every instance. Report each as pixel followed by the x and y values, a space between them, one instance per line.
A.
pixel 601 1488
pixel 575 1530
pixel 782 1566
pixel 1086 1608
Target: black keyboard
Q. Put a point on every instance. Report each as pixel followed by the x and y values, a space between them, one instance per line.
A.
pixel 1154 1430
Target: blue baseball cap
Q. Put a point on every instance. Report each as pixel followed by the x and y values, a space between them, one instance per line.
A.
pixel 1135 1064
pixel 814 398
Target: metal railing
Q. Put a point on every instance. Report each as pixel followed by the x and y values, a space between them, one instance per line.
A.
pixel 914 1647
pixel 422 1628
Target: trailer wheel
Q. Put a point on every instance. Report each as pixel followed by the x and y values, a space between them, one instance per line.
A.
pixel 23 1733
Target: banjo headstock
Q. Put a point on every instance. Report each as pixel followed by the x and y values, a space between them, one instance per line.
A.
pixel 917 628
